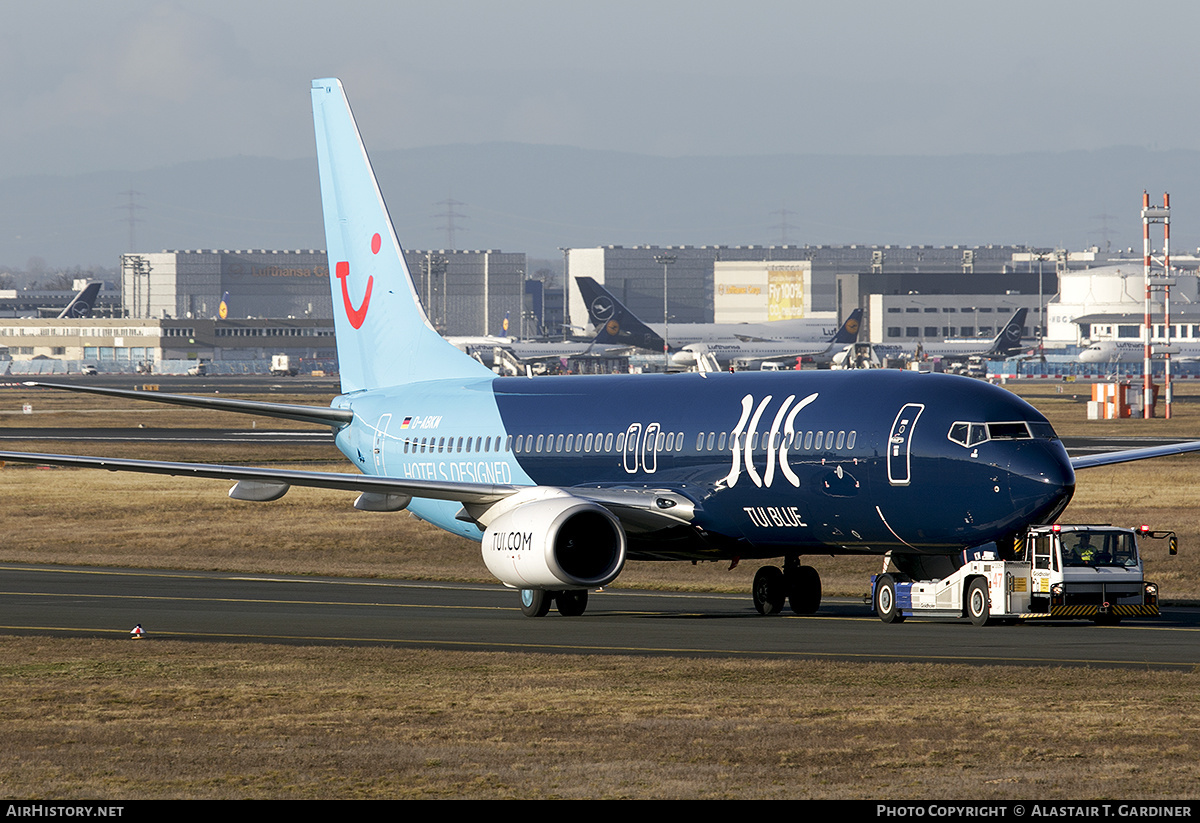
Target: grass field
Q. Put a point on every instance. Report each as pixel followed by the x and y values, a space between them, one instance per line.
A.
pixel 158 719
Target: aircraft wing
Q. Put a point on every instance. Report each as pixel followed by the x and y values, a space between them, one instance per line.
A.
pixel 639 510
pixel 306 414
pixel 1090 461
pixel 532 356
pixel 280 478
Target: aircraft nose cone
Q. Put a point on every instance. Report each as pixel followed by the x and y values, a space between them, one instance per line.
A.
pixel 1042 480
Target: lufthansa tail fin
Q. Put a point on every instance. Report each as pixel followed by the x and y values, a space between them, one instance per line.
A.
pixel 83 301
pixel 1009 338
pixel 616 325
pixel 848 333
pixel 384 337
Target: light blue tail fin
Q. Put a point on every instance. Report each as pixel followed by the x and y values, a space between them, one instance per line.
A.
pixel 384 337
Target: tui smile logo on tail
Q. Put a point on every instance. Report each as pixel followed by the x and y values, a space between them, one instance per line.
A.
pixel 357 316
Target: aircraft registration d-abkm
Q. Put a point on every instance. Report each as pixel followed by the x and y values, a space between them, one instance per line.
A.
pixel 564 479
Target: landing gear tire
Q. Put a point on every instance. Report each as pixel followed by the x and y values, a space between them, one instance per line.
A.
pixel 885 600
pixel 804 589
pixel 770 590
pixel 979 602
pixel 535 602
pixel 571 603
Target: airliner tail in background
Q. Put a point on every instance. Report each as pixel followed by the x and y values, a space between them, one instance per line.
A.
pixel 83 302
pixel 615 323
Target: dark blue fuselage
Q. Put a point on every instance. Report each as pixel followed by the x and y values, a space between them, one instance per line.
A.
pixel 776 463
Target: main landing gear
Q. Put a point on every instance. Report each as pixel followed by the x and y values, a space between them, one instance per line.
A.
pixel 536 602
pixel 799 585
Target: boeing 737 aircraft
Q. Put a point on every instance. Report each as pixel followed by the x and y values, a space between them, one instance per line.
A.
pixel 753 355
pixel 565 479
pixel 1006 342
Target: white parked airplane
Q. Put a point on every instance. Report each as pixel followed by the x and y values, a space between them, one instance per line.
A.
pixel 615 323
pixel 1007 342
pixel 1134 351
pixel 750 355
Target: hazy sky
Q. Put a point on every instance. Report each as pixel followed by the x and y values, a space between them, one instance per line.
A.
pixel 131 85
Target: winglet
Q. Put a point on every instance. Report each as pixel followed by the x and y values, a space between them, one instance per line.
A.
pixel 384 337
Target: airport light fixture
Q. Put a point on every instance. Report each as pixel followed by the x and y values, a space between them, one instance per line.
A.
pixel 665 260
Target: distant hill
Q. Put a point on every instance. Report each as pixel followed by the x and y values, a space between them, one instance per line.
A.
pixel 538 199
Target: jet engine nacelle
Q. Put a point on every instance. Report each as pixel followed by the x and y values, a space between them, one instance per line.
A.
pixel 556 542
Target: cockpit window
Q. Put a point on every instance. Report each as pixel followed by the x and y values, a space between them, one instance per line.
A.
pixel 968 434
pixel 1042 431
pixel 971 434
pixel 1009 431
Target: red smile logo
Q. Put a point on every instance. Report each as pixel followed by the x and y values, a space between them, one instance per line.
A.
pixel 357 316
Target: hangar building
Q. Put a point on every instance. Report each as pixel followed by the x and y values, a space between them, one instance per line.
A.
pixel 465 292
pixel 707 284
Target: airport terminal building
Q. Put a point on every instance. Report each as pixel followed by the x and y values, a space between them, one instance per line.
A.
pixel 754 284
pixel 278 302
pixel 464 292
pixel 52 346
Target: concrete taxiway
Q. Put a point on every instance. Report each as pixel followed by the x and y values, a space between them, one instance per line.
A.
pixel 181 605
